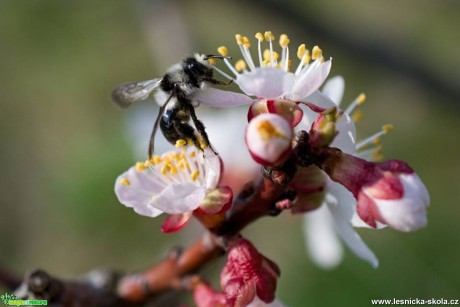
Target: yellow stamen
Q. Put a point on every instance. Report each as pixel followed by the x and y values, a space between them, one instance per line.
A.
pixel 387 128
pixel 246 42
pixel 165 168
pixel 189 142
pixel 284 40
pixel 301 51
pixel 240 65
pixel 377 154
pixel 172 169
pixel 222 50
pixel 180 143
pixel 157 159
pixel 195 175
pixel 140 166
pixel 125 181
pixel 267 55
pixel 357 116
pixel 267 131
pixel 316 53
pixel 266 63
pixel 239 39
pixel 212 61
pixel 193 154
pixel 303 54
pixel 377 140
pixel 269 36
pixel 203 144
pixel 260 36
pixel 361 99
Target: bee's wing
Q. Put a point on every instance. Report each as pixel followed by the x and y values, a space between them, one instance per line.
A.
pixel 124 95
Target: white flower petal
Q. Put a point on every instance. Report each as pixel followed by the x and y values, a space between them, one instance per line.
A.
pixel 345 140
pixel 219 98
pixel 334 88
pixel 179 198
pixel 139 192
pixel 306 83
pixel 342 208
pixel 323 245
pixel 409 212
pixel 266 82
pixel 320 100
pixel 213 170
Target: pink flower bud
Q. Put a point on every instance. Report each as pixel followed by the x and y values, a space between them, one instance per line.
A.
pixel 389 192
pixel 248 274
pixel 289 110
pixel 205 296
pixel 269 139
pixel 323 131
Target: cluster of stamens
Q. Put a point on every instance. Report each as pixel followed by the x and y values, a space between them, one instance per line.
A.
pixel 184 165
pixel 269 57
pixel 369 148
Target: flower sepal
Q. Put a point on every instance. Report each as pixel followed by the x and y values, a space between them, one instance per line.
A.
pixel 211 211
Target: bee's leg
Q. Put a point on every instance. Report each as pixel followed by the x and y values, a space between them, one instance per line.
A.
pixel 185 132
pixel 218 82
pixel 200 127
pixel 155 127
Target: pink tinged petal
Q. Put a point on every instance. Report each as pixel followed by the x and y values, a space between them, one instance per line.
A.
pixel 266 82
pixel 345 140
pixel 205 296
pixel 269 137
pixel 366 210
pixel 179 198
pixel 323 245
pixel 219 98
pixel 388 186
pixel 307 83
pixel 334 89
pixel 409 212
pixel 356 221
pixel 289 110
pixel 216 201
pixel 175 222
pixel 135 189
pixel 341 206
pixel 240 293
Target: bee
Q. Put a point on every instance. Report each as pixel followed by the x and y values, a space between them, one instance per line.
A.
pixel 175 94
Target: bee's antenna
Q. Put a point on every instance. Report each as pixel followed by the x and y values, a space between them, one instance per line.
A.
pixel 220 57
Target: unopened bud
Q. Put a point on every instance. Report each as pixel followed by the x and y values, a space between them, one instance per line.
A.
pixel 323 130
pixel 269 139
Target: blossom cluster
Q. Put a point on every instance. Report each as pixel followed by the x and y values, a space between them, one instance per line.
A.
pixel 294 117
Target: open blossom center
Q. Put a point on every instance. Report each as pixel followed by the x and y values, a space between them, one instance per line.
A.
pixel 181 166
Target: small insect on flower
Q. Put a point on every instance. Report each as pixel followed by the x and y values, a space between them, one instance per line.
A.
pixel 175 95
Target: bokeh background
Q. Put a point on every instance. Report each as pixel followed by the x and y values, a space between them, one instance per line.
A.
pixel 63 143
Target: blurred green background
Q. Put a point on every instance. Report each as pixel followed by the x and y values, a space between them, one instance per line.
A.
pixel 63 143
